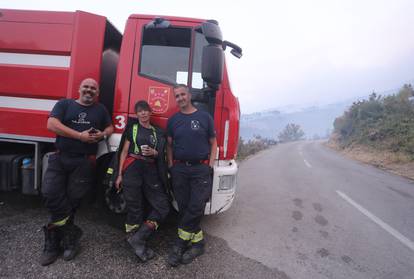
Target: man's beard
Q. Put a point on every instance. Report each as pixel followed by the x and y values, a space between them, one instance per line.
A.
pixel 87 99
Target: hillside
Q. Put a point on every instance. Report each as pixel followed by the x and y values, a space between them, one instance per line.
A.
pixel 379 131
pixel 314 121
pixel 381 122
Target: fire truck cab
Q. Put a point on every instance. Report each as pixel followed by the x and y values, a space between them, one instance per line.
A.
pixel 45 55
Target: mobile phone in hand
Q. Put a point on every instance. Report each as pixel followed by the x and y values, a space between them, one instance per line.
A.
pixel 93 131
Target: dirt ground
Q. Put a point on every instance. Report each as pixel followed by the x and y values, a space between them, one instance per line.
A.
pixel 396 163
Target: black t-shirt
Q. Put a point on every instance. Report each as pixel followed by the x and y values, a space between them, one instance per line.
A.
pixel 191 134
pixel 144 136
pixel 79 118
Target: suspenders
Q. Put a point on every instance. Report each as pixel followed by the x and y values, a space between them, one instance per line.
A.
pixel 135 134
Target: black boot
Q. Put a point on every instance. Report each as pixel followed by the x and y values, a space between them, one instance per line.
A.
pixel 196 249
pixel 138 242
pixel 176 252
pixel 51 248
pixel 71 238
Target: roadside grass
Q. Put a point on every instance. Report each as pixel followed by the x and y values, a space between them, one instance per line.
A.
pixel 253 146
pixel 398 163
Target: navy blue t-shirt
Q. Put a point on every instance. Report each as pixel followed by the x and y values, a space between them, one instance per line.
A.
pixel 79 118
pixel 191 134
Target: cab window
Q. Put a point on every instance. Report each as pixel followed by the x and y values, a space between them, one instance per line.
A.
pixel 165 54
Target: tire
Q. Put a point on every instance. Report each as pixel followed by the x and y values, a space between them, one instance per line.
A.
pixel 102 165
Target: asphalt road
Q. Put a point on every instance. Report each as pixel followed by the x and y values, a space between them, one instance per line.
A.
pixel 301 211
pixel 307 212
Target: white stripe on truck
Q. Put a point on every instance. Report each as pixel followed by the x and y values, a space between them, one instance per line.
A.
pixel 226 137
pixel 34 59
pixel 27 103
pixel 19 138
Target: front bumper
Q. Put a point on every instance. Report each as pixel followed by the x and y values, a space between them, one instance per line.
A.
pixel 224 187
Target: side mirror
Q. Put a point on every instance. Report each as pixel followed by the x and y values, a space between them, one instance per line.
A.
pixel 236 50
pixel 211 32
pixel 212 64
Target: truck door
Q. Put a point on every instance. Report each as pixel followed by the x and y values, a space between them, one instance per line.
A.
pixel 164 57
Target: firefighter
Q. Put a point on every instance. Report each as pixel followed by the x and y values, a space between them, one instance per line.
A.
pixel 191 150
pixel 138 173
pixel 78 125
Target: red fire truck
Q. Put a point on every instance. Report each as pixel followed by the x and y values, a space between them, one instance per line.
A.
pixel 44 56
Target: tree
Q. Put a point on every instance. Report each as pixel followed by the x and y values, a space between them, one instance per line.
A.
pixel 292 132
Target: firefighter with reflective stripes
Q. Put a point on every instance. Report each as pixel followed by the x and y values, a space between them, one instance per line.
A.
pixel 191 150
pixel 140 179
pixel 79 125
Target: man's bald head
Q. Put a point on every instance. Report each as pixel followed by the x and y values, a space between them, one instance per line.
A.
pixel 89 81
pixel 88 91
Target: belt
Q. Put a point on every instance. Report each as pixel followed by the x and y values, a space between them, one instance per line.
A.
pixel 91 157
pixel 191 162
pixel 142 158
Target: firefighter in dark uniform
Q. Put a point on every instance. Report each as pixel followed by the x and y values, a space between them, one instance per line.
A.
pixel 140 179
pixel 79 125
pixel 191 150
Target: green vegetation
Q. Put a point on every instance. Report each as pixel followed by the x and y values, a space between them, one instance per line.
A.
pixel 292 132
pixel 384 123
pixel 253 146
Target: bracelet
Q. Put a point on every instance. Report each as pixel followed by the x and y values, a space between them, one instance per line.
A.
pixel 80 136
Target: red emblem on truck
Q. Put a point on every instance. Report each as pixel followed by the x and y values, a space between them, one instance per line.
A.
pixel 158 98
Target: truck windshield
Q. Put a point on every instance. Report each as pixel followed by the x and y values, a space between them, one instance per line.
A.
pixel 165 54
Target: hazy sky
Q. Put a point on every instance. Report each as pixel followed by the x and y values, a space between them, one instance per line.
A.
pixel 295 52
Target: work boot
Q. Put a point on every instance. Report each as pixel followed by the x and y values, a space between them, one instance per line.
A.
pixel 71 239
pixel 138 242
pixel 51 249
pixel 193 252
pixel 176 252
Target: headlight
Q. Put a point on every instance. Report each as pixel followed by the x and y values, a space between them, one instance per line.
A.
pixel 227 182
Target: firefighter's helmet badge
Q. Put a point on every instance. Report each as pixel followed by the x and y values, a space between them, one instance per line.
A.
pixel 158 99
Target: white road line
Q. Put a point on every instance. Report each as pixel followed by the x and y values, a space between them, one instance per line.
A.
pixel 307 163
pixel 404 240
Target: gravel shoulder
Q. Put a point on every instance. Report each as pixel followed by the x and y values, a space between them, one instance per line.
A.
pixel 396 163
pixel 104 251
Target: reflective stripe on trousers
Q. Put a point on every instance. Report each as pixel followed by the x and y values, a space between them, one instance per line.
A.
pixel 188 236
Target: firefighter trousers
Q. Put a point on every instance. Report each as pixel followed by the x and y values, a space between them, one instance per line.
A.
pixel 141 184
pixel 67 180
pixel 192 186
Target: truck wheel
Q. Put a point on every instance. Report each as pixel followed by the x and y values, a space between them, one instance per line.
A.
pixel 98 195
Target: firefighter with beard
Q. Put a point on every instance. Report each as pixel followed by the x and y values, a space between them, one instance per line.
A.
pixel 79 125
